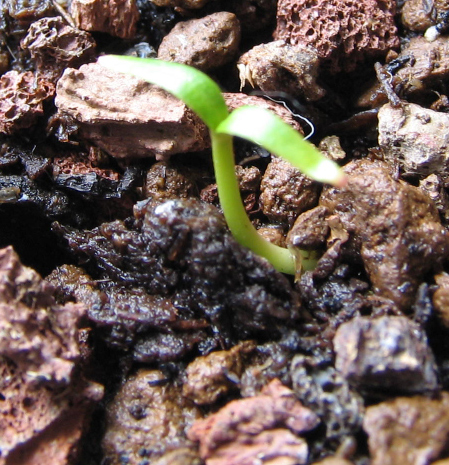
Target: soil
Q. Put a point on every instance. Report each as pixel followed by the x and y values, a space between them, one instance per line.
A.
pixel 134 329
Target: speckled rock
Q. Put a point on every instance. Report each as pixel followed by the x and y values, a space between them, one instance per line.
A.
pixel 278 66
pixel 285 192
pixel 128 117
pixel 410 430
pixel 343 32
pixel 214 375
pixel 416 15
pixel 54 46
pixel 394 226
pixel 385 354
pixel 433 186
pixel 440 298
pixel 115 17
pixel 21 100
pixel 416 138
pixel 204 43
pixel 147 417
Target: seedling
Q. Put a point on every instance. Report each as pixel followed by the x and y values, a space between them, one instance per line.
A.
pixel 203 96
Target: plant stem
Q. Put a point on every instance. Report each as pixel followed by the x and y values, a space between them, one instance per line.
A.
pixel 235 214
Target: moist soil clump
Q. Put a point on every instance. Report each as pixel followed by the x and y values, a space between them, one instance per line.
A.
pixel 134 329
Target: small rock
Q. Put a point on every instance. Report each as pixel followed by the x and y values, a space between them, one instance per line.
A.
pixel 310 230
pixel 416 138
pixel 263 427
pixel 147 417
pixel 433 186
pixel 204 43
pixel 333 461
pixel 213 375
pixel 285 192
pixel 115 17
pixel 21 100
pixel 440 298
pixel 278 66
pixel 55 46
pixel 188 4
pixel 393 225
pixel 416 15
pixel 128 117
pixel 410 430
pixel 344 32
pixel 327 393
pixel 385 354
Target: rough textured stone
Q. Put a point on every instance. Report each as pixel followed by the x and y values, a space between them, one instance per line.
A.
pixel 285 192
pixel 147 417
pixel 214 375
pixel 440 298
pixel 416 15
pixel 393 225
pixel 278 66
pixel 416 138
pixel 385 354
pixel 115 17
pixel 54 46
pixel 21 100
pixel 44 409
pixel 343 32
pixel 259 428
pixel 412 430
pixel 204 43
pixel 128 117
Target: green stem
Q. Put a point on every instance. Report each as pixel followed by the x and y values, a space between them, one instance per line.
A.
pixel 235 214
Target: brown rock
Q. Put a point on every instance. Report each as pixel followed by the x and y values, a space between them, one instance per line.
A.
pixel 278 66
pixel 386 354
pixel 213 375
pixel 310 230
pixel 128 117
pixel 115 17
pixel 343 32
pixel 333 461
pixel 147 418
pixel 55 46
pixel 21 100
pixel 433 186
pixel 189 4
pixel 395 227
pixel 416 138
pixel 204 43
pixel 240 431
pixel 285 192
pixel 416 15
pixel 31 324
pixel 410 430
pixel 440 298
pixel 43 409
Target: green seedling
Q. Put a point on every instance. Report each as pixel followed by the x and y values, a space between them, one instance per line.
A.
pixel 203 96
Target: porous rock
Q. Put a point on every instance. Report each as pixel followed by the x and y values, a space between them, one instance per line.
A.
pixel 21 100
pixel 416 138
pixel 344 32
pixel 440 298
pixel 285 192
pixel 385 354
pixel 278 66
pixel 394 226
pixel 263 427
pixel 128 117
pixel 410 429
pixel 147 417
pixel 115 17
pixel 54 46
pixel 212 376
pixel 204 43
